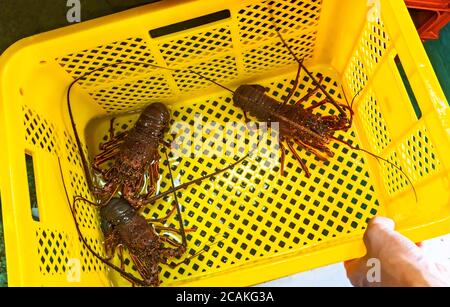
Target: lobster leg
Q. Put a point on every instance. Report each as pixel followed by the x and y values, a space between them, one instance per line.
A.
pixel 283 156
pixel 97 168
pixel 120 252
pixel 317 105
pixel 109 190
pixel 150 277
pixel 171 241
pixel 118 139
pixel 111 128
pixel 140 201
pixel 111 243
pixel 171 229
pixel 303 165
pixel 246 117
pixel 110 148
pixel 113 139
pixel 327 95
pixel 173 252
pixel 153 174
pixel 107 154
pixel 167 144
pixel 310 93
pixel 318 146
pixel 102 158
pixel 310 149
pixel 186 261
pixel 164 219
pixel 294 86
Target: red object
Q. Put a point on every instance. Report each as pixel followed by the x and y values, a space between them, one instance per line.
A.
pixel 429 16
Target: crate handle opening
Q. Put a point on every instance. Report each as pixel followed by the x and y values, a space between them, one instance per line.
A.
pixel 408 87
pixel 32 187
pixel 189 24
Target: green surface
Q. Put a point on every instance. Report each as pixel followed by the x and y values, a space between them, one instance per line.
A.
pixel 439 54
pixel 23 18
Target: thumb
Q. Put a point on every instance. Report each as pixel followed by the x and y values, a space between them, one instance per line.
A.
pixel 370 240
pixel 381 235
pixel 377 233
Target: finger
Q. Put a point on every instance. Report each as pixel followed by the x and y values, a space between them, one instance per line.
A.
pixel 378 229
pixel 356 270
pixel 352 265
pixel 349 264
pixel 353 270
pixel 381 222
pixel 381 235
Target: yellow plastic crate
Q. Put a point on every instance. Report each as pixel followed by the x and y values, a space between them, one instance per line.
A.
pixel 270 226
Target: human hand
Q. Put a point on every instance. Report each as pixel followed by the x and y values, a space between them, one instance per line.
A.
pixel 402 263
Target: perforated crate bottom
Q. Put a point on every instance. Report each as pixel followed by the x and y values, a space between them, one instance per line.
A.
pixel 252 212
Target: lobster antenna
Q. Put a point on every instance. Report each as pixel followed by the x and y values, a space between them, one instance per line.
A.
pixel 84 161
pixel 196 181
pixel 126 275
pixel 186 260
pixel 211 80
pixel 354 98
pixel 183 236
pixel 379 158
pixel 350 105
pixel 277 30
pixel 310 75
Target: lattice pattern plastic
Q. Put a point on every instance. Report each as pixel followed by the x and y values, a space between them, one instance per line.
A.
pixel 52 248
pixel 133 49
pixel 135 94
pixel 199 46
pixel 39 131
pixel 274 55
pixel 255 21
pixel 374 123
pixel 266 215
pixel 423 159
pixel 373 43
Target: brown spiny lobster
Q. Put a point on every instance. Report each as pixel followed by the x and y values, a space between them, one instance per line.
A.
pixel 124 227
pixel 134 152
pixel 297 124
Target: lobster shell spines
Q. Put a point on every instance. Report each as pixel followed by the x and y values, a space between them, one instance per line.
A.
pixel 153 121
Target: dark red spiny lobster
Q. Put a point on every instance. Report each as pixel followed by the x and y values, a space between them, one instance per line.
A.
pixel 134 153
pixel 307 129
pixel 124 227
pixel 299 125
